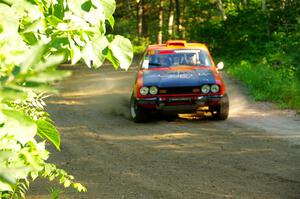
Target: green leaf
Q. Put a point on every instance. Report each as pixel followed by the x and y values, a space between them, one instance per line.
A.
pixel 19 125
pixel 79 187
pixel 122 50
pixel 75 7
pixel 34 175
pixel 109 7
pixel 8 19
pixel 16 70
pixel 92 53
pixel 52 60
pixel 6 180
pixel 34 55
pixel 59 42
pixel 75 52
pixel 67 183
pixel 33 26
pixel 48 76
pixel 29 38
pixel 111 21
pixel 12 94
pixel 59 10
pixel 33 87
pixel 48 131
pixel 112 59
pixel 86 6
pixel 53 20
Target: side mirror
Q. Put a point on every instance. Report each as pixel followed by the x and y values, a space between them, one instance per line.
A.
pixel 220 65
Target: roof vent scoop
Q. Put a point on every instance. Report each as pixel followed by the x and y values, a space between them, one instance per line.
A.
pixel 176 43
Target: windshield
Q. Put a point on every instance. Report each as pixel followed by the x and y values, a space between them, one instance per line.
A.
pixel 173 58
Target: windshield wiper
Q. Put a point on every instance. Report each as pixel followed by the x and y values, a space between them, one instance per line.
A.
pixel 155 64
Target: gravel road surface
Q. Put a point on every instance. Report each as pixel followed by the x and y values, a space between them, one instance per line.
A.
pixel 255 154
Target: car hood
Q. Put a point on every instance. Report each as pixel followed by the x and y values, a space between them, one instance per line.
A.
pixel 178 77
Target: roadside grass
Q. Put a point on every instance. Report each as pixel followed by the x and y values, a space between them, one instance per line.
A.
pixel 277 84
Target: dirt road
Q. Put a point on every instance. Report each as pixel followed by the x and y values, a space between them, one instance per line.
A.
pixel 253 154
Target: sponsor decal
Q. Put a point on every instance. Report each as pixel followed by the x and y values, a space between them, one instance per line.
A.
pixel 178 78
pixel 186 51
pixel 179 99
pixel 177 75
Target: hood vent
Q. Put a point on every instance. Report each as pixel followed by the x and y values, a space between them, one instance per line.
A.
pixel 176 43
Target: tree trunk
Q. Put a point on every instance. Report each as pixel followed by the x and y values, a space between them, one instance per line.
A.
pixel 171 19
pixel 161 19
pixel 221 9
pixel 139 19
pixel 178 13
pixel 183 19
pixel 144 19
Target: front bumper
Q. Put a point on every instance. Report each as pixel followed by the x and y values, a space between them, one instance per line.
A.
pixel 180 104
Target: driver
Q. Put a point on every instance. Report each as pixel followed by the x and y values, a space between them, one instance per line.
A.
pixel 165 61
pixel 191 59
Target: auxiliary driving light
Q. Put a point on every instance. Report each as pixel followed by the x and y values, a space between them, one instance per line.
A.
pixel 215 88
pixel 153 90
pixel 144 90
pixel 205 89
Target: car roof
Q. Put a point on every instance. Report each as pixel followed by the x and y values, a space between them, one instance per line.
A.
pixel 176 44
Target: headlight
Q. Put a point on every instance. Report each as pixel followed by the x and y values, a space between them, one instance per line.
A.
pixel 215 88
pixel 205 89
pixel 144 90
pixel 153 90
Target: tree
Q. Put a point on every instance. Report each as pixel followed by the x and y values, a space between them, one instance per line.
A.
pixel 35 36
pixel 171 19
pixel 161 21
pixel 139 15
pixel 220 7
pixel 178 17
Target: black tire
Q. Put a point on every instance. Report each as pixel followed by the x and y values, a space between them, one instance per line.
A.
pixel 138 114
pixel 221 112
pixel 170 117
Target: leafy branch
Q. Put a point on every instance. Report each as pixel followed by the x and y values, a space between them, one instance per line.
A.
pixel 35 37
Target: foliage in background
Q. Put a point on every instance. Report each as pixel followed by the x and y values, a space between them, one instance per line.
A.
pixel 267 83
pixel 262 33
pixel 35 36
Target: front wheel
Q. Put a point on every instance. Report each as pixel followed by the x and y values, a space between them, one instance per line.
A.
pixel 138 114
pixel 221 112
pixel 170 117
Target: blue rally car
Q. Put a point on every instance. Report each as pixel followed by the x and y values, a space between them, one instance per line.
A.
pixel 178 77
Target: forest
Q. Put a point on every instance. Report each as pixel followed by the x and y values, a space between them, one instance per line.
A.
pixel 257 39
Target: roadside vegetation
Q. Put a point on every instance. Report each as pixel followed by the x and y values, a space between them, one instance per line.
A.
pixel 257 39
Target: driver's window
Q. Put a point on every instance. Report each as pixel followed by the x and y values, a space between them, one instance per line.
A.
pixel 145 62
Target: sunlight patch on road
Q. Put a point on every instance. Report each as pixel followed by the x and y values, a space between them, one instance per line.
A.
pixel 194 148
pixel 64 102
pixel 90 93
pixel 173 136
pixel 218 195
pixel 250 151
pixel 278 136
pixel 151 137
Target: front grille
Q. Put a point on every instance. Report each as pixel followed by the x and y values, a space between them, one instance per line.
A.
pixel 177 90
